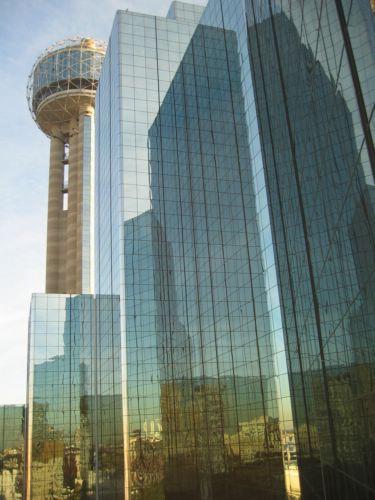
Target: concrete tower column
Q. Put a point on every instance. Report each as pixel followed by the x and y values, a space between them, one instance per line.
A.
pixel 86 111
pixel 61 95
pixel 55 206
pixel 71 233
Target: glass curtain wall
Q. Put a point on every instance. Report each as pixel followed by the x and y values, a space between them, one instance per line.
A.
pixel 74 424
pixel 306 72
pixel 219 413
pixel 143 55
pixel 235 214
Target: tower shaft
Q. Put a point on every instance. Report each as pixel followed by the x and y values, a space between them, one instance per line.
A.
pixel 67 266
pixel 56 225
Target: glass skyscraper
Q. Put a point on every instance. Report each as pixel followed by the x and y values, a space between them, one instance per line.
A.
pixel 228 350
pixel 306 75
pixel 235 221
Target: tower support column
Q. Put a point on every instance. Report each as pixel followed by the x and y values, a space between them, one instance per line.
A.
pixel 71 237
pixel 55 224
pixel 84 148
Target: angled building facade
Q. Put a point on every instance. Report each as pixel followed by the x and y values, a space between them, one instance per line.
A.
pixel 308 105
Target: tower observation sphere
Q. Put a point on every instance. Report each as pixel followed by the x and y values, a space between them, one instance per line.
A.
pixel 63 79
pixel 61 96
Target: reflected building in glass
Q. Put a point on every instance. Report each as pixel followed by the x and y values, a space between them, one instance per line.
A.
pixel 316 183
pixel 306 75
pixel 12 421
pixel 209 248
pixel 74 442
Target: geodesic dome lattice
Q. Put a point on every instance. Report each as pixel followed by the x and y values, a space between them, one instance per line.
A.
pixel 69 65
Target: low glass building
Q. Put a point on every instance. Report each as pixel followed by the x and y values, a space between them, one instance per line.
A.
pixel 74 420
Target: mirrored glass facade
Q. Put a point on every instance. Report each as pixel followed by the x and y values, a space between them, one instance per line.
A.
pixel 235 220
pixel 12 420
pixel 306 72
pixel 143 56
pixel 209 266
pixel 74 445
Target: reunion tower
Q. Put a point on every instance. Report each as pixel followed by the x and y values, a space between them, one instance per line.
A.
pixel 61 95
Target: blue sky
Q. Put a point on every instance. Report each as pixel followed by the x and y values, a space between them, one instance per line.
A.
pixel 26 29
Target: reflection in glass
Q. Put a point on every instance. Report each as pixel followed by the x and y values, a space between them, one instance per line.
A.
pixel 74 403
pixel 317 190
pixel 11 451
pixel 202 410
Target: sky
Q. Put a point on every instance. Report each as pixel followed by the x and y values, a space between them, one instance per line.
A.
pixel 27 27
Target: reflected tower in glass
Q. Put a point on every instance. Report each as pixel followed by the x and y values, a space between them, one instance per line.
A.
pixel 219 405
